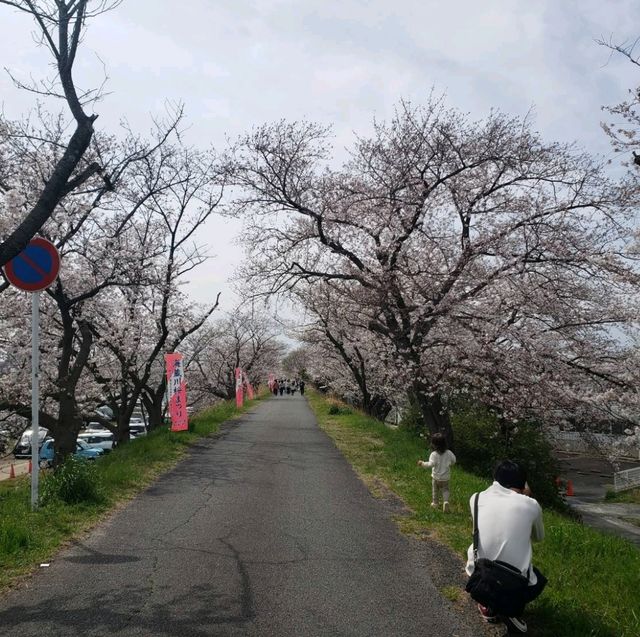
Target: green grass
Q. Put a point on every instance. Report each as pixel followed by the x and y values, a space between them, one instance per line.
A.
pixel 452 593
pixel 629 497
pixel 28 538
pixel 594 578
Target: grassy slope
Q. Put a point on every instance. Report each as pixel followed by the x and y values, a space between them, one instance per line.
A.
pixel 630 497
pixel 594 578
pixel 28 538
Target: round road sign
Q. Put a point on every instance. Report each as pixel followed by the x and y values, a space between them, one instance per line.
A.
pixel 35 268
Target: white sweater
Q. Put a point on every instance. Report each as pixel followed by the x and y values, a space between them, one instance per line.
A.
pixel 440 464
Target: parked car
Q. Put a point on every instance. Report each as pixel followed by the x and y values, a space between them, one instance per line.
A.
pixel 82 451
pixel 94 425
pixel 98 439
pixel 105 412
pixel 137 428
pixel 23 446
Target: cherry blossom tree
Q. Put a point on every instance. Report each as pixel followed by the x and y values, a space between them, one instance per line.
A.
pixel 353 361
pixel 131 339
pixel 624 130
pixel 295 363
pixel 490 261
pixel 120 246
pixel 66 339
pixel 174 196
pixel 245 339
pixel 60 28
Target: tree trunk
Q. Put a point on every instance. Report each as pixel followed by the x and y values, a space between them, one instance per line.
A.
pixel 121 434
pixel 154 404
pixel 434 416
pixel 67 429
pixel 231 385
pixel 376 406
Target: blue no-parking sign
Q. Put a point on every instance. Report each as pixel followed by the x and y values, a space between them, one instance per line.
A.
pixel 35 268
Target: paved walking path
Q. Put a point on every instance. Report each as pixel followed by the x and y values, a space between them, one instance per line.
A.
pixel 264 531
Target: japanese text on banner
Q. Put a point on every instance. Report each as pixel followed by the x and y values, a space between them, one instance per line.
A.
pixel 177 392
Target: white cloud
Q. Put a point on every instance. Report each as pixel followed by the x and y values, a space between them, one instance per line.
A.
pixel 236 64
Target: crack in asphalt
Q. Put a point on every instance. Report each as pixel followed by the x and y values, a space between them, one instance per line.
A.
pixel 367 559
pixel 151 590
pixel 210 495
pixel 246 595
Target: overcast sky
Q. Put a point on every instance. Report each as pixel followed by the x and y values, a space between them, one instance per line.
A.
pixel 236 63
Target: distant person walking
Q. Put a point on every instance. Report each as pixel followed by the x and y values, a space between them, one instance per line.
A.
pixel 302 388
pixel 275 387
pixel 440 462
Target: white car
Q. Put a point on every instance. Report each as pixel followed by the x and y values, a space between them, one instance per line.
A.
pixel 23 447
pixel 137 427
pixel 95 426
pixel 98 439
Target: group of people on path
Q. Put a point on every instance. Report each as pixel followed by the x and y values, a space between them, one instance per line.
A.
pixel 287 386
pixel 506 519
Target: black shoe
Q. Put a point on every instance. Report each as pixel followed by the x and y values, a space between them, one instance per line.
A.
pixel 516 625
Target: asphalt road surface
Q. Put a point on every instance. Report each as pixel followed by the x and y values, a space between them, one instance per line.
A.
pixel 263 531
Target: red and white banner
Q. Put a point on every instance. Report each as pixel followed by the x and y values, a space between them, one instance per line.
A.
pixel 239 392
pixel 249 387
pixel 177 392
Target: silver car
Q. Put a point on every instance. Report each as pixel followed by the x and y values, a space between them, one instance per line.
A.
pixel 98 439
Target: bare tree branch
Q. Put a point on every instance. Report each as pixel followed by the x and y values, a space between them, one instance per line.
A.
pixel 61 182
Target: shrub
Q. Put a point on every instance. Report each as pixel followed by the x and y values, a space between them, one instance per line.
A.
pixel 74 482
pixel 339 410
pixel 482 440
pixel 412 420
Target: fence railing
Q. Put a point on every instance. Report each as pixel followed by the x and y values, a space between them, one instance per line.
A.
pixel 578 442
pixel 627 479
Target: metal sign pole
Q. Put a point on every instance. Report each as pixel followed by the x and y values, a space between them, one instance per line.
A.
pixel 35 396
pixel 34 269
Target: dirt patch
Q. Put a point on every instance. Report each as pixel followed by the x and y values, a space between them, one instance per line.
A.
pixel 393 504
pixel 447 573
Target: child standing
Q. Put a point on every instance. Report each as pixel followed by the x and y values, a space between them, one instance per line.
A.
pixel 440 462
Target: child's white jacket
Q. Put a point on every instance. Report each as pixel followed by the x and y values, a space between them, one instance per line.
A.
pixel 440 464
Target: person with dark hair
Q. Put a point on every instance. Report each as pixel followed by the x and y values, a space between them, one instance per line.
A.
pixel 508 520
pixel 510 475
pixel 440 462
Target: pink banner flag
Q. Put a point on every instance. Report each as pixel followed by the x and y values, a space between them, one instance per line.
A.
pixel 177 392
pixel 247 386
pixel 239 392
